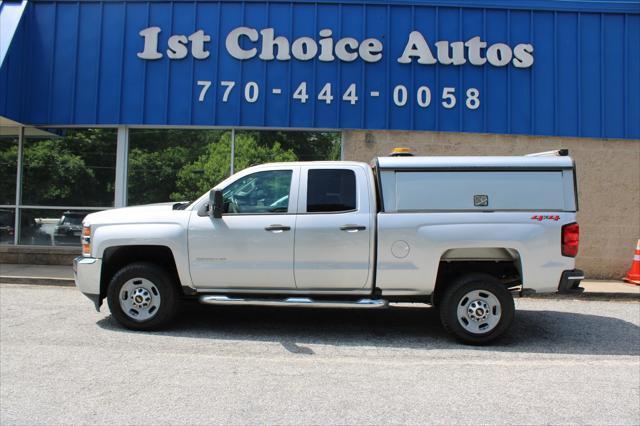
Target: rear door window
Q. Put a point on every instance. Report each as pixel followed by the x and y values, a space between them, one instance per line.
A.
pixel 331 190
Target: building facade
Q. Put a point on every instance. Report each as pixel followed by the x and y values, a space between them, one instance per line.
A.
pixel 110 103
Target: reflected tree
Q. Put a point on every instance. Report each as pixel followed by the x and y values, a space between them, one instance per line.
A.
pixel 308 146
pixel 213 166
pixel 8 161
pixel 76 169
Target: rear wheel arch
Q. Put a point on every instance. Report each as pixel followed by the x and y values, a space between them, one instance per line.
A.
pixel 504 264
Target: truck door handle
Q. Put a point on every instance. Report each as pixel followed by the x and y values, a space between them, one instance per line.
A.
pixel 277 228
pixel 352 228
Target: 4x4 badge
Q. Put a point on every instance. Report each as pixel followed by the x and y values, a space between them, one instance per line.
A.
pixel 540 218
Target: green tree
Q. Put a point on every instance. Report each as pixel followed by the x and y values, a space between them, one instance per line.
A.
pixel 308 146
pixel 55 175
pixel 213 166
pixel 156 157
pixel 76 167
pixel 8 161
pixel 152 174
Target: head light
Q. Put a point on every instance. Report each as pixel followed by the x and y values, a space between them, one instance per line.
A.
pixel 86 241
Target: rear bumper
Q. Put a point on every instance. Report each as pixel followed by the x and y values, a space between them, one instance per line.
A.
pixel 86 274
pixel 570 281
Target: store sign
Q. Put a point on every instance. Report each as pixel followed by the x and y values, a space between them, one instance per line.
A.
pixel 245 43
pixel 538 67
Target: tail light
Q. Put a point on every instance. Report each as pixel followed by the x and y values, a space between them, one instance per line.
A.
pixel 86 241
pixel 570 239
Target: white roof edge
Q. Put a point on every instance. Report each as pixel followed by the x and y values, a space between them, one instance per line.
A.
pixel 313 163
pixel 479 162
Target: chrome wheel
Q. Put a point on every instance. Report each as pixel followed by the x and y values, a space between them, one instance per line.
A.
pixel 139 299
pixel 479 311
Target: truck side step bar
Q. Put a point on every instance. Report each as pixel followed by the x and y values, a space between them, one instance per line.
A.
pixel 294 302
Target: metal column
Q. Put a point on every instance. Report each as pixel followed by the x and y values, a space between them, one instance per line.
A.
pixel 233 150
pixel 16 227
pixel 122 156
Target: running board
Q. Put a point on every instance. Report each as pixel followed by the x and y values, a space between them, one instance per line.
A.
pixel 294 302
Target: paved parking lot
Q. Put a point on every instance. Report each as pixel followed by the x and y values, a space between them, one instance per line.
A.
pixel 564 361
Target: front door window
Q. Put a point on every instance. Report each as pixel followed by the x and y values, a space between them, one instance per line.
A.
pixel 259 193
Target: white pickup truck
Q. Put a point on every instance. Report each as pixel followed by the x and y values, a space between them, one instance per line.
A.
pixel 458 233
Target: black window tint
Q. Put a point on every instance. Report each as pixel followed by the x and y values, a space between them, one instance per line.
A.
pixel 331 190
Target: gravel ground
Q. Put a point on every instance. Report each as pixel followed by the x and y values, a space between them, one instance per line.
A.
pixel 564 361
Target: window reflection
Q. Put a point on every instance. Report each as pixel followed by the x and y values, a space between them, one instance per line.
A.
pixel 175 164
pixel 51 227
pixel 67 173
pixel 8 164
pixel 75 168
pixel 7 224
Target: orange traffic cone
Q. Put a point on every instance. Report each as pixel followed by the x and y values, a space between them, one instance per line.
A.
pixel 633 276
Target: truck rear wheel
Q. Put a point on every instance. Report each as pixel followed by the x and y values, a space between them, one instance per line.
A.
pixel 477 309
pixel 142 296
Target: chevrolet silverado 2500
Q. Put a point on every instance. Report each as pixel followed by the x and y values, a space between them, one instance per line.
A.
pixel 459 233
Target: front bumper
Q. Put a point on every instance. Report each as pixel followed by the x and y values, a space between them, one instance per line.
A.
pixel 86 274
pixel 570 281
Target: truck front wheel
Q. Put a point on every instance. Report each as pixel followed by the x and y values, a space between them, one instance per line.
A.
pixel 142 296
pixel 477 309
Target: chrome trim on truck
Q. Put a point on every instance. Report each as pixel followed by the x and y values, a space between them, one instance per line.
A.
pixel 86 274
pixel 294 302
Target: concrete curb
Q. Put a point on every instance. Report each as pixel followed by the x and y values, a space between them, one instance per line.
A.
pixel 64 282
pixel 587 295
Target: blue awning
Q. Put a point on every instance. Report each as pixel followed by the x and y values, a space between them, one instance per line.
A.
pixel 532 67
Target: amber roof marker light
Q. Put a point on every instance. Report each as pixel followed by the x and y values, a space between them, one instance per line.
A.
pixel 401 152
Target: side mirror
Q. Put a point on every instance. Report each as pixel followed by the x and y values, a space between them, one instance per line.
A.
pixel 215 203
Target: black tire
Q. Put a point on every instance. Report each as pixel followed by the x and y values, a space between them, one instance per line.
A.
pixel 454 297
pixel 162 283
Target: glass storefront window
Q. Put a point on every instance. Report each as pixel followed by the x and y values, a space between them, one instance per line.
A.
pixel 7 224
pixel 47 227
pixel 175 164
pixel 75 168
pixel 262 146
pixel 181 165
pixel 257 147
pixel 68 173
pixel 8 164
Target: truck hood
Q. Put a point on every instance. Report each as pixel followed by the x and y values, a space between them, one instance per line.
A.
pixel 161 212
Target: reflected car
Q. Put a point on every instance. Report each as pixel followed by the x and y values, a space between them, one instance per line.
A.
pixel 7 221
pixel 69 229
